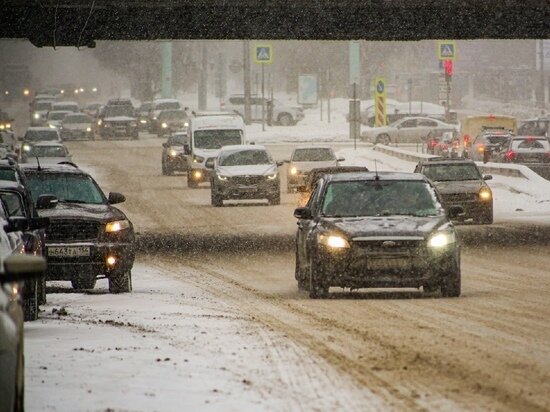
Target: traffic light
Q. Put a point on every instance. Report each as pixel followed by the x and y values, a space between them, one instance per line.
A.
pixel 448 67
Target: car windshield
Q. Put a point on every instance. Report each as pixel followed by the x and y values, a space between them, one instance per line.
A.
pixel 245 158
pixel 57 115
pixel 8 174
pixel 66 187
pixel 173 115
pixel 177 140
pixel 114 111
pixel 76 119
pixel 167 105
pixel 451 172
pixel 216 138
pixel 47 151
pixel 497 139
pixel 313 155
pixel 66 107
pixel 379 198
pixel 41 135
pixel 42 105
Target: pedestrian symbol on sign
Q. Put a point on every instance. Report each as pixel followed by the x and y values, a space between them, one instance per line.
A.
pixel 263 54
pixel 380 87
pixel 446 50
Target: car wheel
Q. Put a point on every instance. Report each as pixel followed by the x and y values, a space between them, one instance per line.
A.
pixel 451 282
pixel 216 199
pixel 42 290
pixel 120 282
pixel 164 170
pixel 383 139
pixel 190 182
pixel 83 281
pixel 303 283
pixel 19 398
pixel 316 288
pixel 275 199
pixel 285 119
pixel 30 303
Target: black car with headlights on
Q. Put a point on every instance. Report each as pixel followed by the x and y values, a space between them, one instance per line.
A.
pixel 372 230
pixel 174 153
pixel 460 183
pixel 244 172
pixel 117 121
pixel 87 237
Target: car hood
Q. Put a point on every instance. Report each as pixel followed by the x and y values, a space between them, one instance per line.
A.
pixel 101 213
pixel 47 160
pixel 206 153
pixel 252 170
pixel 308 166
pixel 466 186
pixel 119 119
pixel 386 226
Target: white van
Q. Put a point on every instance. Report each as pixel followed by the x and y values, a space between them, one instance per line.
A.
pixel 207 135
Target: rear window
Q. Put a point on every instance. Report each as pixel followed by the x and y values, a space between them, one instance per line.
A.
pixel 167 106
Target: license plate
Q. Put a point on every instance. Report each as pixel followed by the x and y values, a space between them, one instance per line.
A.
pixel 68 251
pixel 388 263
pixel 248 189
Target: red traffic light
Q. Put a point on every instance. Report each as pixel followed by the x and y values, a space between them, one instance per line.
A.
pixel 448 66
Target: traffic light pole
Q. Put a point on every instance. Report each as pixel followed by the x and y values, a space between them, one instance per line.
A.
pixel 448 99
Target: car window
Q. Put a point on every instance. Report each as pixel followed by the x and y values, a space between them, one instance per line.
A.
pixel 66 187
pixel 47 151
pixel 177 140
pixel 66 107
pixel 427 123
pixel 42 106
pixel 452 172
pixel 167 105
pixel 375 198
pixel 13 203
pixel 245 158
pixel 236 100
pixel 41 135
pixel 75 119
pixel 114 111
pixel 8 174
pixel 313 155
pixel 409 123
pixel 56 115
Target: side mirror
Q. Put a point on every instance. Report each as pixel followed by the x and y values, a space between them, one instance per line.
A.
pixel 488 177
pixel 21 267
pixel 341 159
pixel 303 213
pixel 115 197
pixel 209 164
pixel 37 223
pixel 46 202
pixel 16 224
pixel 454 212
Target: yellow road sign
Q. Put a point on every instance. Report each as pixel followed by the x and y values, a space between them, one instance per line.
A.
pixel 263 54
pixel 446 49
pixel 379 102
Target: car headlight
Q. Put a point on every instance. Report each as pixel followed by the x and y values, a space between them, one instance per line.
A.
pixel 117 226
pixel 222 178
pixel 186 124
pixel 26 148
pixel 99 122
pixel 51 126
pixel 154 117
pixel 198 159
pixel 441 239
pixel 334 241
pixel 164 125
pixel 107 125
pixel 88 129
pixel 273 176
pixel 172 153
pixel 143 121
pixel 485 194
pixel 293 171
pixel 36 116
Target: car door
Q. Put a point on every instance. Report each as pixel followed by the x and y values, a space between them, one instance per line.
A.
pixel 306 226
pixel 424 127
pixel 407 131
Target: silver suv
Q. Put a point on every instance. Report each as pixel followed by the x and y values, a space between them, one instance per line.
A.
pixel 282 115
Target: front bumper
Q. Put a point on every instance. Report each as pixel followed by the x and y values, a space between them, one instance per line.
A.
pixel 65 268
pixel 360 267
pixel 261 189
pixel 297 180
pixel 119 131
pixel 176 163
pixel 473 209
pixel 199 175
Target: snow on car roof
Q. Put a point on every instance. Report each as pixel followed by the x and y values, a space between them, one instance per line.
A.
pixel 239 147
pixel 373 176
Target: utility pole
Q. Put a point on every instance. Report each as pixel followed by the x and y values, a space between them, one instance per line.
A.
pixel 246 74
pixel 166 81
pixel 203 79
pixel 542 100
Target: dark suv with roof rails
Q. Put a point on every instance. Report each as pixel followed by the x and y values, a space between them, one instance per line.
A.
pixel 87 238
pixel 460 184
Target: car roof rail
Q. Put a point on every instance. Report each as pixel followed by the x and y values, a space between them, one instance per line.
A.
pixel 66 162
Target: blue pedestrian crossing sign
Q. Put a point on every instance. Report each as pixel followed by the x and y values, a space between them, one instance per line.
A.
pixel 446 50
pixel 263 54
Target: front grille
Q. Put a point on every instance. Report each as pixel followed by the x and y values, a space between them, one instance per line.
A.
pixel 459 197
pixel 72 230
pixel 391 247
pixel 247 180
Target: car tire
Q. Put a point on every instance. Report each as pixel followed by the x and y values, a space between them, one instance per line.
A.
pixel 120 282
pixel 216 199
pixel 30 303
pixel 316 288
pixel 19 393
pixel 164 170
pixel 451 282
pixel 83 281
pixel 303 283
pixel 383 139
pixel 190 182
pixel 285 119
pixel 275 199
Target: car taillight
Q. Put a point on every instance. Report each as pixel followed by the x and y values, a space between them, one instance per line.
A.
pixel 433 143
pixel 510 155
pixel 481 148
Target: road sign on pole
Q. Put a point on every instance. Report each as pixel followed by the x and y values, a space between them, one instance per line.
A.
pixel 380 102
pixel 446 49
pixel 263 54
